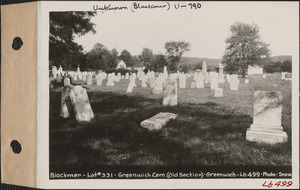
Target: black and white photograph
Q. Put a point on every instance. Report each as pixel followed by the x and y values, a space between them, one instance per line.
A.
pixel 159 90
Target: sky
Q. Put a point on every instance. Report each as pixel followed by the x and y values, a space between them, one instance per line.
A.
pixel 206 29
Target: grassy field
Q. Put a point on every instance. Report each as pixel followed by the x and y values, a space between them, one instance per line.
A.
pixel 208 131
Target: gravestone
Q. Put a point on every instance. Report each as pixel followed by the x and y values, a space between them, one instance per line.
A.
pixel 214 81
pixel 84 76
pixel 246 81
pixel 266 125
pixel 264 76
pixel 130 87
pixel 158 121
pixel 200 81
pixel 204 71
pixel 288 76
pixel 152 82
pixel 218 92
pixel 182 81
pixel 221 75
pixel 59 78
pixel 234 82
pixel 283 75
pixel 99 79
pixel 127 76
pixel 81 104
pixel 66 105
pixel 158 89
pixel 89 79
pixel 66 82
pixel 165 75
pixel 110 79
pixel 170 93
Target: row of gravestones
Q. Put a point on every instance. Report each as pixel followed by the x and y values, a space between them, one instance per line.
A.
pixel 266 125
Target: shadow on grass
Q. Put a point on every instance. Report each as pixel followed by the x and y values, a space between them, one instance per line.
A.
pixel 202 134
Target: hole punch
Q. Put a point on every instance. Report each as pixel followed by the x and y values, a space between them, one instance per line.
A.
pixel 17 43
pixel 16 146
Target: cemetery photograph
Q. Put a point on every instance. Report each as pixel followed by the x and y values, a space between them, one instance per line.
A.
pixel 170 88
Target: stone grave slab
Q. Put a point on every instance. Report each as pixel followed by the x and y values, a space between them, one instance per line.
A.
pixel 266 125
pixel 158 121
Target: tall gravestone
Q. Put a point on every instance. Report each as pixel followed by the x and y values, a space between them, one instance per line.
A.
pixel 200 81
pixel 214 78
pixel 266 125
pixel 221 75
pixel 81 104
pixel 110 79
pixel 99 79
pixel 165 75
pixel 170 93
pixel 89 79
pixel 204 70
pixel 182 81
pixel 234 85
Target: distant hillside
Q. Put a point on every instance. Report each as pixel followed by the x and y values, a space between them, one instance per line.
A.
pixel 214 62
pixel 195 60
pixel 281 58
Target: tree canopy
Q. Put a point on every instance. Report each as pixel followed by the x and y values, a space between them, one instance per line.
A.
pixel 64 26
pixel 174 51
pixel 243 48
pixel 146 57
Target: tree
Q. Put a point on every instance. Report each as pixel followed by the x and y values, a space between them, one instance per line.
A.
pixel 147 58
pixel 159 62
pixel 126 57
pixel 97 57
pixel 198 65
pixel 64 26
pixel 174 52
pixel 287 66
pixel 244 48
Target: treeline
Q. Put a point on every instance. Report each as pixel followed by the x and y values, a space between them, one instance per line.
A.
pixel 278 66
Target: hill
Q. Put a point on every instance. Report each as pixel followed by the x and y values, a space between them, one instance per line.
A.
pixel 281 58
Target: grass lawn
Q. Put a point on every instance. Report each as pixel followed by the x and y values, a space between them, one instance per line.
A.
pixel 209 131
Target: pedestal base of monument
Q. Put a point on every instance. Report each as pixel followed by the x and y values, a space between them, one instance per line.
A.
pixel 266 134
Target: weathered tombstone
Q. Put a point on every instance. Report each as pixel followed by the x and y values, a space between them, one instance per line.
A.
pixel 158 89
pixel 266 125
pixel 110 79
pixel 59 78
pixel 89 79
pixel 165 75
pixel 84 76
pixel 218 92
pixel 200 81
pixel 246 81
pixel 127 76
pixel 221 75
pixel 158 121
pixel 228 78
pixel 129 88
pixel 234 82
pixel 182 81
pixel 214 84
pixel 99 79
pixel 66 82
pixel 264 76
pixel 152 82
pixel 170 93
pixel 66 105
pixel 81 104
